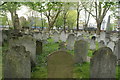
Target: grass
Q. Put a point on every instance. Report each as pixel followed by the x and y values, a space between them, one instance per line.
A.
pixel 40 71
pixel 0 62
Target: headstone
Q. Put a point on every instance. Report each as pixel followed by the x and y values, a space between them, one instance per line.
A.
pixel 101 44
pixel 70 41
pixel 80 37
pixel 111 45
pixel 56 37
pixel 102 36
pixel 39 47
pixel 92 45
pixel 16 63
pixel 29 43
pixel 60 65
pixel 0 37
pixel 80 51
pixel 114 37
pixel 117 51
pixel 63 36
pixel 103 64
pixel 62 46
pixel 38 36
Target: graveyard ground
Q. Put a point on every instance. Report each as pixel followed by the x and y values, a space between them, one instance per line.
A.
pixel 80 71
pixel 40 71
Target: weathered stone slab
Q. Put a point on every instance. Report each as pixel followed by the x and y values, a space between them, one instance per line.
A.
pixel 60 65
pixel 80 51
pixel 103 64
pixel 16 63
pixel 70 41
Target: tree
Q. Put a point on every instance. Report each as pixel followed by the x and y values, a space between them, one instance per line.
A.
pixel 12 7
pixel 99 12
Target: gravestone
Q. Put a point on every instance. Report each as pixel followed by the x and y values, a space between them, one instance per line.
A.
pixel 102 36
pixel 0 37
pixel 117 51
pixel 63 36
pixel 101 44
pixel 29 43
pixel 70 41
pixel 38 36
pixel 80 37
pixel 62 46
pixel 80 51
pixel 60 65
pixel 92 45
pixel 111 45
pixel 114 37
pixel 56 37
pixel 16 63
pixel 103 64
pixel 39 47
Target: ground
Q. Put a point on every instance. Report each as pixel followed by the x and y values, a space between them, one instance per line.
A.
pixel 40 71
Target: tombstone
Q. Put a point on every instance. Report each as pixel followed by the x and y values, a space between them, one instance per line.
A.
pixel 38 36
pixel 117 51
pixel 62 46
pixel 44 36
pixel 16 63
pixel 101 44
pixel 70 41
pixel 111 45
pixel 92 45
pixel 80 37
pixel 29 43
pixel 80 51
pixel 39 47
pixel 102 36
pixel 114 37
pixel 56 36
pixel 103 64
pixel 60 65
pixel 0 37
pixel 63 36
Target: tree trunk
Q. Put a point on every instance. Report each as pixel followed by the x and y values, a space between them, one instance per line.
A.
pixel 78 20
pixel 12 17
pixel 98 28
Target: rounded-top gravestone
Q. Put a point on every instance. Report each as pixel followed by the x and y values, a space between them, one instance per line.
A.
pixel 60 65
pixel 103 64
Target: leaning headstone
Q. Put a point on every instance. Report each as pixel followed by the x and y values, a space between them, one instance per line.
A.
pixel 111 45
pixel 16 63
pixel 103 64
pixel 80 51
pixel 60 65
pixel 70 41
pixel 38 47
pixel 29 43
